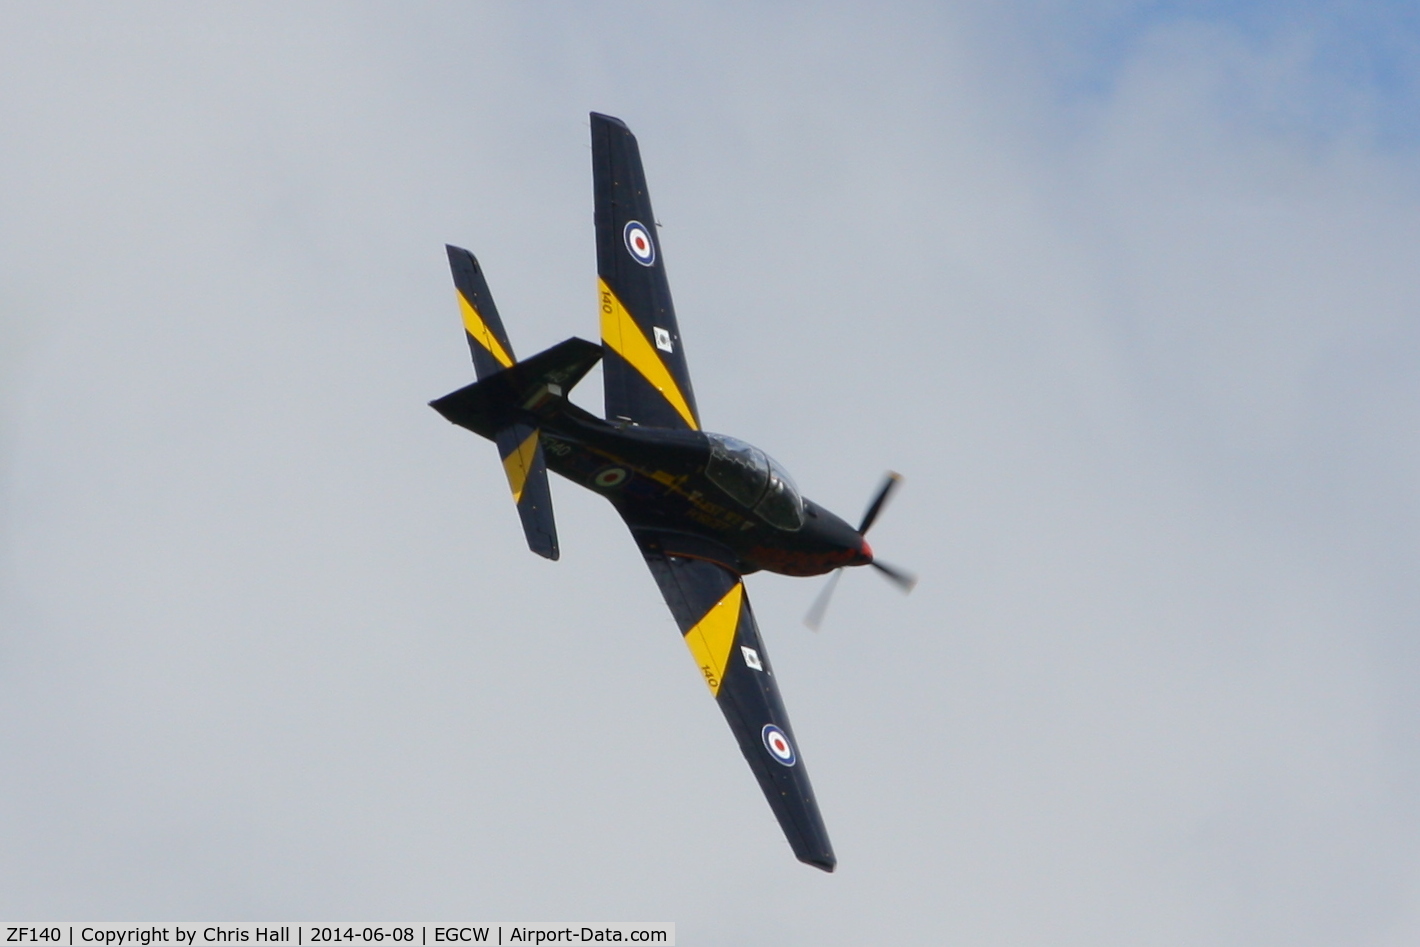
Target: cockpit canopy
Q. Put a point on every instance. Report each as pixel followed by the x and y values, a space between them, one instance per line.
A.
pixel 755 480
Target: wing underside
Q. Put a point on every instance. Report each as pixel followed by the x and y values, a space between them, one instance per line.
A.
pixel 710 606
pixel 644 369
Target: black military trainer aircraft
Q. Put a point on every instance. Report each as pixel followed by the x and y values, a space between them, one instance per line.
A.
pixel 705 509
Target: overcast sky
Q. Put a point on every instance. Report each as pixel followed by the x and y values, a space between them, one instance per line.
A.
pixel 1130 293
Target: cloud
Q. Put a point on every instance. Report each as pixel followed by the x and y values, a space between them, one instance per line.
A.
pixel 1133 307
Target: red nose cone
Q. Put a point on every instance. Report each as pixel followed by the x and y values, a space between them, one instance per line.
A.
pixel 865 552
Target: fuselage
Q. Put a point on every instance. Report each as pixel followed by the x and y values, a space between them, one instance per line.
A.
pixel 698 494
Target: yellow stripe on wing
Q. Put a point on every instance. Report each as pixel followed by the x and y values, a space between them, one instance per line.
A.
pixel 475 326
pixel 713 636
pixel 518 465
pixel 626 339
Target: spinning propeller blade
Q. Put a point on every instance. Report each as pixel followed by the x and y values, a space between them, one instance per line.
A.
pixel 901 578
pixel 890 483
pixel 816 611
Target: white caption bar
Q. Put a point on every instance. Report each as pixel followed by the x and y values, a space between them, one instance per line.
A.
pixel 333 935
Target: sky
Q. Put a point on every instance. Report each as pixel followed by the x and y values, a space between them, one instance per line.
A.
pixel 1129 292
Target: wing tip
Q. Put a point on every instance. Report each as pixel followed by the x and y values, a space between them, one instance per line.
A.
pixel 824 863
pixel 609 119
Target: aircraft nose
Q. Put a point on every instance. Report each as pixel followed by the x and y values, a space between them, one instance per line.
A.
pixel 865 552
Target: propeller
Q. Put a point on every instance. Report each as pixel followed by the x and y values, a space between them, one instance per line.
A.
pixel 890 484
pixel 820 606
pixel 901 578
pixel 898 576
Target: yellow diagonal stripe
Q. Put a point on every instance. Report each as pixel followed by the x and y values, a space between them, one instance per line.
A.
pixel 713 636
pixel 518 465
pixel 626 339
pixel 475 326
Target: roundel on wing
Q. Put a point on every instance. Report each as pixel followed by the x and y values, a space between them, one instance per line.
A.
pixel 778 745
pixel 638 243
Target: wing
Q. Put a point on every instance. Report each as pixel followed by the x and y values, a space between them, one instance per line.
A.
pixel 714 615
pixel 644 368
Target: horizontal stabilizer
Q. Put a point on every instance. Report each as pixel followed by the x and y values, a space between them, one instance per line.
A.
pixel 487 339
pixel 521 451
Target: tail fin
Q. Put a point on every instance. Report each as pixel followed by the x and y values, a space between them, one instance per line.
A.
pixel 518 393
pixel 500 404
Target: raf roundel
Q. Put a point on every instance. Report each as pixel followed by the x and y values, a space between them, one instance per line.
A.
pixel 778 745
pixel 638 243
pixel 610 477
